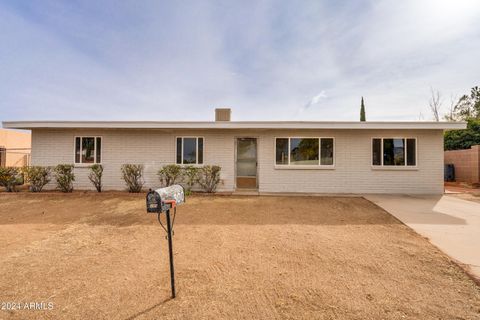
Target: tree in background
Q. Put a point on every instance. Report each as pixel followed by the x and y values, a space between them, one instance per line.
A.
pixel 467 109
pixel 362 111
pixel 463 139
pixel 449 116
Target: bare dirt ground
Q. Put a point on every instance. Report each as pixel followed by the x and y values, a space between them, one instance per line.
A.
pixel 467 196
pixel 470 196
pixel 100 256
pixel 463 191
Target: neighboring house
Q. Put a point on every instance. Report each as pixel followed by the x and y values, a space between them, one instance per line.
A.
pixel 466 163
pixel 14 148
pixel 271 156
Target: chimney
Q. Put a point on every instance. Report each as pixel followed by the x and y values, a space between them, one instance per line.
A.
pixel 222 114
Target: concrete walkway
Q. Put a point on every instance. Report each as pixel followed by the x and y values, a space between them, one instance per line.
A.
pixel 452 224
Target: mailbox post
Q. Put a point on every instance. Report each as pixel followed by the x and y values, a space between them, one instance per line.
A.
pixel 170 252
pixel 164 200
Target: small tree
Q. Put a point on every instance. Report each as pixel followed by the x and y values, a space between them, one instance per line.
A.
pixel 169 174
pixel 190 176
pixel 64 176
pixel 209 178
pixel 362 111
pixel 95 176
pixel 9 178
pixel 37 176
pixel 132 174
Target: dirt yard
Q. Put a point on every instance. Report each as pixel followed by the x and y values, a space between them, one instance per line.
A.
pixel 463 191
pixel 101 256
pixel 470 196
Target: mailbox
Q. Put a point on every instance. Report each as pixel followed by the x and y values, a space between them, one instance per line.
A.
pixel 163 199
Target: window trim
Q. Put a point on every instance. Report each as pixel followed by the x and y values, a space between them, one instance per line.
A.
pixel 94 150
pixel 290 166
pixel 196 152
pixel 381 166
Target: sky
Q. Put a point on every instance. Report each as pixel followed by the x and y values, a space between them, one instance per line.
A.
pixel 267 60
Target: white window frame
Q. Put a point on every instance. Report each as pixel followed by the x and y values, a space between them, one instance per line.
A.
pixel 196 151
pixel 300 166
pixel 81 149
pixel 394 167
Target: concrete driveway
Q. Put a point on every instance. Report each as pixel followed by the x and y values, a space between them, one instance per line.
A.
pixel 452 224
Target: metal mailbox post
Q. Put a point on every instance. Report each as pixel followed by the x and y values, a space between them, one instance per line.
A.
pixel 163 200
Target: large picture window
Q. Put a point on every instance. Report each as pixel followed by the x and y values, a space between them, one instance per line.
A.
pixel 189 150
pixel 304 151
pixel 88 150
pixel 394 152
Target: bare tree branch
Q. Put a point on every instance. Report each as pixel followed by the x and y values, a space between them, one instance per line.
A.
pixel 435 104
pixel 450 115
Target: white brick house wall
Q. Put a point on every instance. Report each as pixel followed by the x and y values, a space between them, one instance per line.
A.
pixel 153 148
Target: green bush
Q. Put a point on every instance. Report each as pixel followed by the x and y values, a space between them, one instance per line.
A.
pixel 10 177
pixel 209 178
pixel 169 174
pixel 37 176
pixel 95 176
pixel 64 177
pixel 190 177
pixel 132 174
pixel 463 139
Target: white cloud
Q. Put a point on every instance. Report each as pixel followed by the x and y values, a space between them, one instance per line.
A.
pixel 317 98
pixel 313 101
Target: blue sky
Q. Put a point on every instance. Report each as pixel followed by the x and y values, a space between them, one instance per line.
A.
pixel 267 60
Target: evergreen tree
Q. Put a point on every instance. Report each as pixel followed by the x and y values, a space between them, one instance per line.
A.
pixel 362 112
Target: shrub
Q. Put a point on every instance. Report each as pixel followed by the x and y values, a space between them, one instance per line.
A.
pixel 132 174
pixel 463 139
pixel 190 177
pixel 64 176
pixel 209 178
pixel 95 176
pixel 169 174
pixel 10 177
pixel 37 176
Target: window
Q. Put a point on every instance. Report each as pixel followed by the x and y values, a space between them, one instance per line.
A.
pixel 326 152
pixel 88 150
pixel 304 151
pixel 412 152
pixel 377 152
pixel 189 150
pixel 394 152
pixel 281 153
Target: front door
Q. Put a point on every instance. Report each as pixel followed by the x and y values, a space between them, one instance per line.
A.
pixel 246 164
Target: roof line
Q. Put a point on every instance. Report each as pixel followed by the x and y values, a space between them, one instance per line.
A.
pixel 235 124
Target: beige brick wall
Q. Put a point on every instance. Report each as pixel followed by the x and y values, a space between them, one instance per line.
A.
pixel 352 173
pixel 466 162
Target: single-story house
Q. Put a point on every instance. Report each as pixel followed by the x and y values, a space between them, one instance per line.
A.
pixel 268 156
